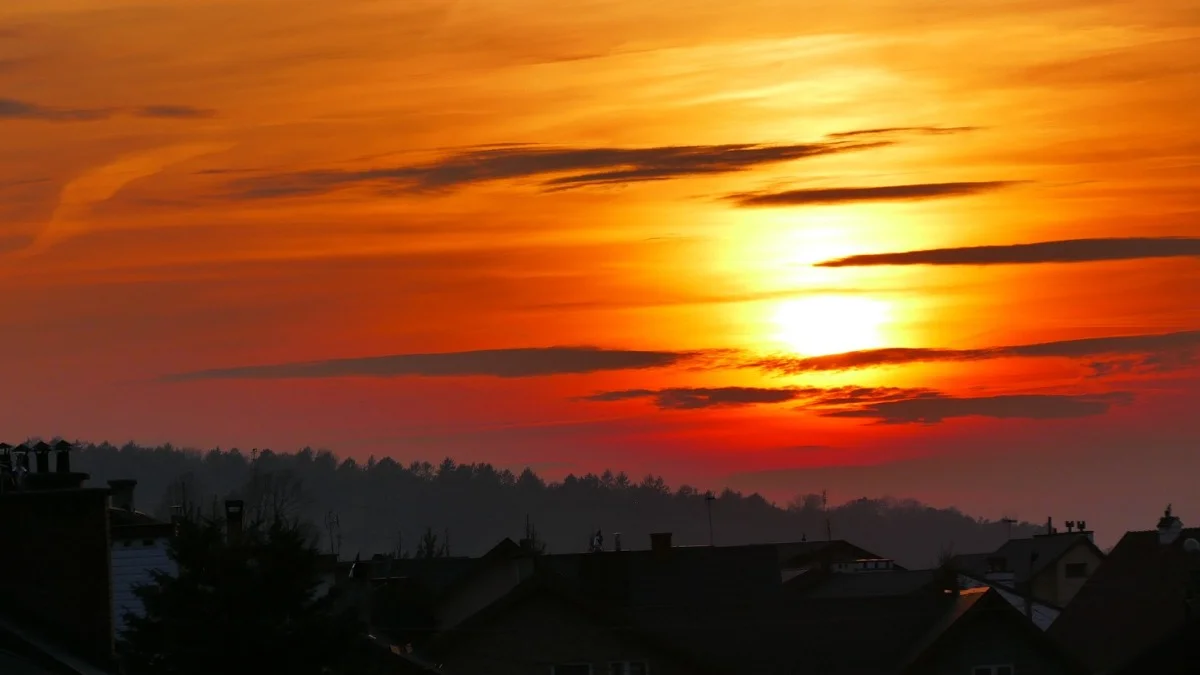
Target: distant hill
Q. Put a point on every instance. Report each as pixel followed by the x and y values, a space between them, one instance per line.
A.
pixel 382 506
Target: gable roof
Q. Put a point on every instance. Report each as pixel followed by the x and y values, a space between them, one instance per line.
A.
pixel 1179 654
pixel 1132 601
pixel 882 583
pixel 1048 549
pixel 545 584
pixel 971 605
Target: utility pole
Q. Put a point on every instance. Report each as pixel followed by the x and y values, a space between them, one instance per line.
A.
pixel 708 501
pixel 825 510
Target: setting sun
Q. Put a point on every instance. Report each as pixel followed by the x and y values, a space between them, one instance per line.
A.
pixel 828 324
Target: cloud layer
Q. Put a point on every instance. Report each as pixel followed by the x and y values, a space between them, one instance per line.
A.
pixel 1064 251
pixel 507 363
pixel 1159 352
pixel 840 195
pixel 556 168
pixel 14 109
pixel 886 405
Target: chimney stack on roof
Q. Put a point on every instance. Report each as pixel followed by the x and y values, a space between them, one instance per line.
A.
pixel 42 452
pixel 233 519
pixel 616 541
pixel 121 491
pixel 62 457
pixel 660 542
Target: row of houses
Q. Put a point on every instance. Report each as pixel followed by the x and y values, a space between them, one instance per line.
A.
pixel 1053 604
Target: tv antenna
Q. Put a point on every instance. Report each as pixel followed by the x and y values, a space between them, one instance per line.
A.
pixel 333 526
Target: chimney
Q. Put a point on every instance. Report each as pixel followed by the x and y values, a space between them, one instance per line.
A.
pixel 1049 525
pixel 660 542
pixel 62 457
pixel 616 541
pixel 21 452
pixel 121 491
pixel 233 519
pixel 42 451
pixel 1169 527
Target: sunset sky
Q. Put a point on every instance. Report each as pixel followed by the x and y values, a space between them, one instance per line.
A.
pixel 912 247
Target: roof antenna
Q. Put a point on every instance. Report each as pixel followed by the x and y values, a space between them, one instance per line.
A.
pixel 825 509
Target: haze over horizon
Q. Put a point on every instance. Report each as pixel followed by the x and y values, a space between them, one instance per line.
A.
pixel 878 248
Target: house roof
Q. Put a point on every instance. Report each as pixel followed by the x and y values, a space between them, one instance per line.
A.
pixel 136 525
pixel 971 605
pixel 883 583
pixel 1018 553
pixel 1179 654
pixel 1132 601
pixel 546 584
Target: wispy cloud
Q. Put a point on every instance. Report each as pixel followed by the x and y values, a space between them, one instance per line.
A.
pixel 1153 350
pixel 14 109
pixel 506 363
pixel 694 398
pixel 886 405
pixel 883 131
pixel 173 112
pixel 1064 251
pixel 839 195
pixel 938 408
pixel 557 168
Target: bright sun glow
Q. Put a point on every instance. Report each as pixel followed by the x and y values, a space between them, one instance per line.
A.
pixel 829 324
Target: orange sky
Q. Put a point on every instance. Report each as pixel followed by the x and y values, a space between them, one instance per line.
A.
pixel 194 187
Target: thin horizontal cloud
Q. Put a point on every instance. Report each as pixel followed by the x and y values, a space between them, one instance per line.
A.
pixel 887 405
pixel 173 112
pixel 506 363
pixel 14 109
pixel 841 195
pixel 882 131
pixel 1162 351
pixel 1064 251
pixel 936 409
pixel 695 398
pixel 558 168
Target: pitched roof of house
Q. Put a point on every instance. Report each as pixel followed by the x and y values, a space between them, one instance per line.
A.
pixel 1179 654
pixel 1019 553
pixel 1132 601
pixel 882 583
pixel 972 605
pixel 546 584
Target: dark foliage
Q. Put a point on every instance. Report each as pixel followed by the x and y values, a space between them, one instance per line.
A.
pixel 239 607
pixel 378 502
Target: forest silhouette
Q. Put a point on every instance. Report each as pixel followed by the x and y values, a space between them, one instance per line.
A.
pixel 384 507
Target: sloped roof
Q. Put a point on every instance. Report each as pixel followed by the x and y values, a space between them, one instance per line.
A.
pixel 1048 548
pixel 1179 654
pixel 878 584
pixel 1133 600
pixel 708 576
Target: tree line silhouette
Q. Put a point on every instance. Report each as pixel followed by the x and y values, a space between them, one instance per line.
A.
pixel 382 506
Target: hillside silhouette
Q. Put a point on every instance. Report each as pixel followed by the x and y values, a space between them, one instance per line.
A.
pixel 382 506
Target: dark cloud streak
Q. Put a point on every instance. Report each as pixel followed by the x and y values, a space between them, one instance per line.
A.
pixel 885 405
pixel 13 109
pixel 1063 251
pixel 558 168
pixel 881 131
pixel 937 409
pixel 504 363
pixel 1158 351
pixel 840 195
